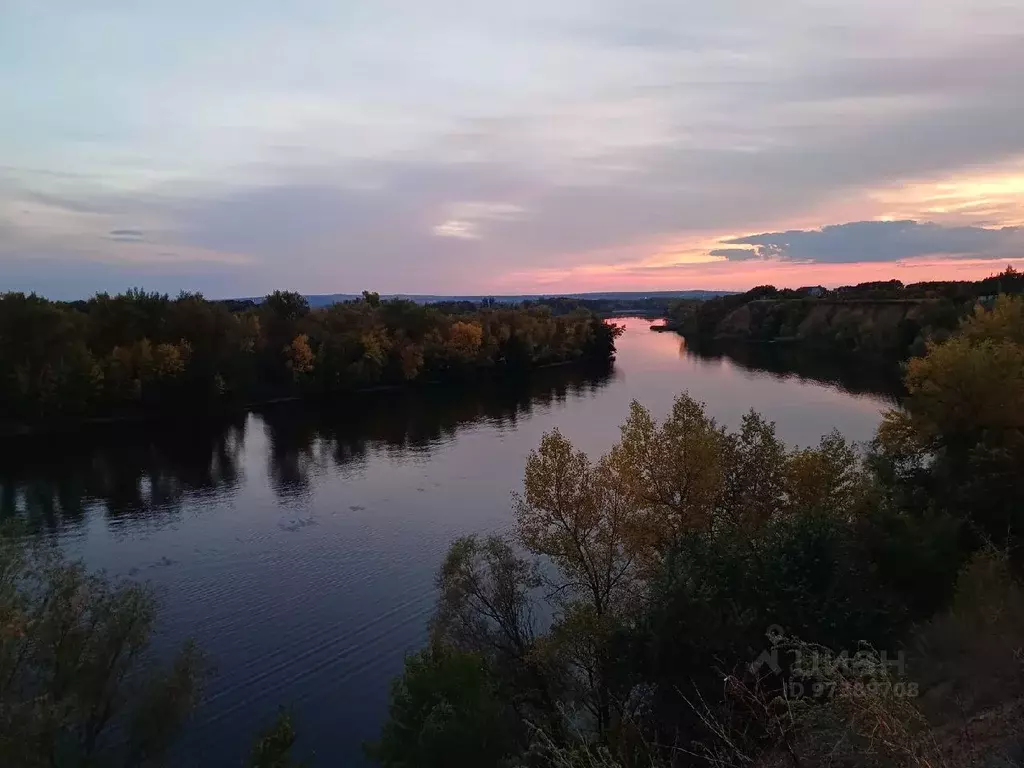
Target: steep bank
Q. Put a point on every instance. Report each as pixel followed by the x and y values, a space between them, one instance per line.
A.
pixel 883 327
pixel 886 320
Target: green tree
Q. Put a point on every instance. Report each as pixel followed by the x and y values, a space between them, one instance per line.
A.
pixel 273 747
pixel 754 481
pixel 487 606
pixel 287 305
pixel 74 672
pixel 959 445
pixel 446 711
pixel 719 593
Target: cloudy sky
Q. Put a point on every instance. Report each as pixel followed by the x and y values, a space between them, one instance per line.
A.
pixel 435 146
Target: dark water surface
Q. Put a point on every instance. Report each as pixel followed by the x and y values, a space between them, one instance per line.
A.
pixel 299 545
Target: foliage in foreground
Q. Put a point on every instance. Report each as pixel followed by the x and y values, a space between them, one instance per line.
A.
pixel 77 686
pixel 446 711
pixel 658 606
pixel 272 747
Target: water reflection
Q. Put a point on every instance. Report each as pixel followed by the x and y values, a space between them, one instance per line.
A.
pixel 151 471
pixel 306 439
pixel 786 362
pixel 136 471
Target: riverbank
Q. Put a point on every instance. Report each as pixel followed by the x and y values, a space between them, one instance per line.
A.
pixel 886 321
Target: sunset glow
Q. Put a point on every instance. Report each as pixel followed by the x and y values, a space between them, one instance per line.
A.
pixel 992 198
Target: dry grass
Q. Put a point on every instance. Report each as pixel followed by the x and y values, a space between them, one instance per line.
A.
pixel 966 709
pixel 971 666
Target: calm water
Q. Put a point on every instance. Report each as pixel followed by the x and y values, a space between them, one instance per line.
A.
pixel 299 547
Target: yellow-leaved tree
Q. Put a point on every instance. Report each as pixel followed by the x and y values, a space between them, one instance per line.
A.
pixel 827 480
pixel 1003 322
pixel 966 385
pixel 573 513
pixel 465 340
pixel 299 355
pixel 959 444
pixel 672 472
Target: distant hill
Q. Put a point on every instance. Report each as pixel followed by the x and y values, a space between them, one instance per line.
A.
pixel 326 299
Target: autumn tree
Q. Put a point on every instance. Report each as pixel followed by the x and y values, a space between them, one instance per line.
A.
pixel 464 340
pixel 573 513
pixel 959 445
pixel 299 355
pixel 674 471
pixel 827 480
pixel 967 385
pixel 375 349
pixel 1004 321
pixel 136 351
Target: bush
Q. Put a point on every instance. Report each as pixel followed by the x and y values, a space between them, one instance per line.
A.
pixel 445 712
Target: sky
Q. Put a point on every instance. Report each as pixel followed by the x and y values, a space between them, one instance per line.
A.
pixel 433 146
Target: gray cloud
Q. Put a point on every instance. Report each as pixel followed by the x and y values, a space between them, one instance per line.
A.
pixel 863 241
pixel 735 254
pixel 127 235
pixel 608 124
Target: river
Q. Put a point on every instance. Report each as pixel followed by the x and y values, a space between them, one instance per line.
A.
pixel 298 546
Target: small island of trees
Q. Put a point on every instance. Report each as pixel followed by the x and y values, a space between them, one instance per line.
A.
pixel 141 353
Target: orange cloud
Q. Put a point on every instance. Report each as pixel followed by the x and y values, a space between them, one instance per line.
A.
pixel 994 196
pixel 991 197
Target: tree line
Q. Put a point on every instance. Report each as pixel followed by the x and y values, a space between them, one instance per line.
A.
pixel 885 320
pixel 660 605
pixel 139 352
